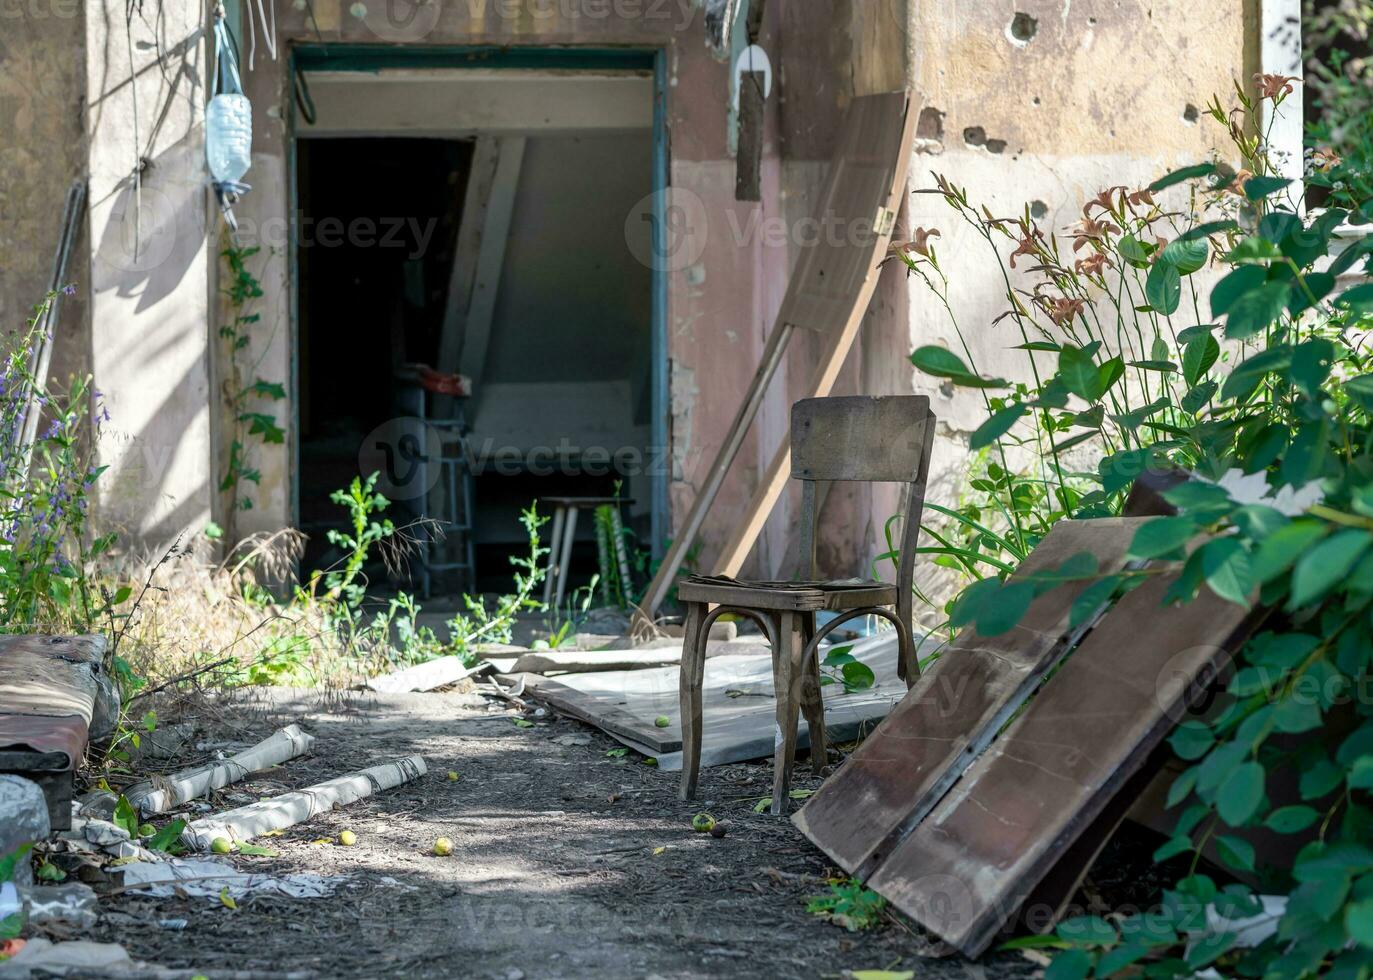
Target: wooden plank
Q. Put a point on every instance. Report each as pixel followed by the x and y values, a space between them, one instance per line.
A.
pixel 463 274
pixel 966 868
pixel 750 524
pixel 897 776
pixel 500 210
pixel 860 437
pixel 737 698
pixel 838 274
pixel 748 167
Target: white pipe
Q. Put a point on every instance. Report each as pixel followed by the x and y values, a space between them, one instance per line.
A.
pixel 289 809
pixel 189 784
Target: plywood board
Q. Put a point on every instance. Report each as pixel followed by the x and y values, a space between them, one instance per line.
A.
pixel 737 693
pixel 897 776
pixel 965 869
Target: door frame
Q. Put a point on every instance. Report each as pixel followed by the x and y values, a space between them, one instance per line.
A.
pixel 373 58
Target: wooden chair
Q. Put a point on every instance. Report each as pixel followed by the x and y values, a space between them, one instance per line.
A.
pixel 864 439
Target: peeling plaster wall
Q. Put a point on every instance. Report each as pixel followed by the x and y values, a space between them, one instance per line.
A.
pixel 1048 102
pixel 727 276
pixel 1039 100
pixel 42 150
pixel 149 269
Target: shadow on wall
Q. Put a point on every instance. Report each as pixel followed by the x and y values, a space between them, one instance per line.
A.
pixel 155 228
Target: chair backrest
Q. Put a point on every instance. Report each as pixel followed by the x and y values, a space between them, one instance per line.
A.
pixel 871 439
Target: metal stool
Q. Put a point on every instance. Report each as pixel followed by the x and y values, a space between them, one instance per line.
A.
pixel 565 531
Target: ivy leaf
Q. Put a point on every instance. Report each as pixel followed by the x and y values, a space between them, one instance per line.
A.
pixel 1192 740
pixel 991 606
pixel 1197 358
pixel 997 426
pixel 1162 536
pixel 1235 852
pixel 1253 249
pixel 1071 964
pixel 1185 173
pixel 1359 299
pixel 1291 819
pixel 1281 549
pixel 1187 255
pixel 1243 280
pixel 1256 310
pixel 1358 921
pixel 1311 362
pixel 1091 599
pixel 1226 565
pixel 946 364
pixel 1325 565
pixel 1134 251
pixel 1257 188
pixel 1241 793
pixel 1079 373
pixel 1163 287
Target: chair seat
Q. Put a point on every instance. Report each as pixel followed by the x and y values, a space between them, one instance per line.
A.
pixel 838 594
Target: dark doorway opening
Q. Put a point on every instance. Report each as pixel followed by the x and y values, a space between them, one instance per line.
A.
pixel 377 226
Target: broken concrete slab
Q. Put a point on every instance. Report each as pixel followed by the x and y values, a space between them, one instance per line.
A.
pixel 23 820
pixel 428 676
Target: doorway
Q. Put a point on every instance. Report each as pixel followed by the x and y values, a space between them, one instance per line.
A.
pixel 515 202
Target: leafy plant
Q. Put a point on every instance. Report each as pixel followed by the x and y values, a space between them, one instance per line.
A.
pixel 850 905
pixel 840 666
pixel 1280 450
pixel 243 390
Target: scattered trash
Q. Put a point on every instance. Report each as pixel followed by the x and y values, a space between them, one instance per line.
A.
pixel 46 958
pixel 428 676
pixel 210 877
pixel 23 820
pixel 190 784
pixel 289 809
pixel 72 904
pixel 1252 930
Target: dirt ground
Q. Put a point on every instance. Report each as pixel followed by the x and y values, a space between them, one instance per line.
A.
pixel 567 862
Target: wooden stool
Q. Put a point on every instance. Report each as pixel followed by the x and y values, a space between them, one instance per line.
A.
pixel 833 439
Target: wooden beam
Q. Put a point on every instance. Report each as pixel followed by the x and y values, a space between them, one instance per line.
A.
pixel 750 525
pixel 471 224
pixel 830 288
pixel 491 259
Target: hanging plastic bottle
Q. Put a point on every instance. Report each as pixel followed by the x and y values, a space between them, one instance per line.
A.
pixel 228 124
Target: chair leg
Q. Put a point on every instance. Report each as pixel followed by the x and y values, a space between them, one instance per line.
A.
pixel 692 675
pixel 812 704
pixel 906 659
pixel 786 672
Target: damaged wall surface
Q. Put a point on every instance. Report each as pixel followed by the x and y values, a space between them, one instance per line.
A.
pixel 1038 101
pixel 1045 104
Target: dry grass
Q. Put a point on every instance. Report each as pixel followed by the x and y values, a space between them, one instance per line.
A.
pixel 221 622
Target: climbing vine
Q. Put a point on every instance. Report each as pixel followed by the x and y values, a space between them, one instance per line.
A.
pixel 241 395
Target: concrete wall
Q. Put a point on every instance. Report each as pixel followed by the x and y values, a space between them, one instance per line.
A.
pixel 42 150
pixel 150 267
pixel 1049 110
pixel 1073 98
